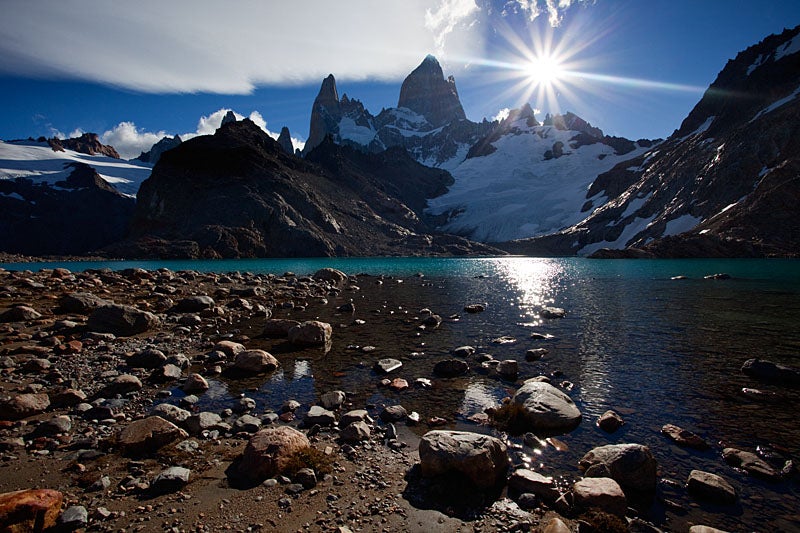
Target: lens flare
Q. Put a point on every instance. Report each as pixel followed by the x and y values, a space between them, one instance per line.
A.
pixel 544 70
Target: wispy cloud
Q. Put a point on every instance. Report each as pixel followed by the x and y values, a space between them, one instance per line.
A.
pixel 131 141
pixel 223 47
pixel 555 9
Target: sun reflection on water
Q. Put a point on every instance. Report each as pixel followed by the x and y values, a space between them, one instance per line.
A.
pixel 536 282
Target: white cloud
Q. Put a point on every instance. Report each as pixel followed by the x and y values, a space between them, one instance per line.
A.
pixel 502 114
pixel 226 47
pixel 130 141
pixel 554 8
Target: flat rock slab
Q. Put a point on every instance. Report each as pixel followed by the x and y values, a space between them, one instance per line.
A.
pixel 546 408
pixel 751 463
pixel 23 405
pixel 482 459
pixel 710 487
pixel 388 365
pixel 524 480
pixel 148 435
pixel 684 437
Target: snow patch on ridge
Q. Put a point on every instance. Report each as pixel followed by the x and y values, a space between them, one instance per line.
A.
pixel 514 193
pixel 788 48
pixel 39 163
pixel 681 224
pixel 775 105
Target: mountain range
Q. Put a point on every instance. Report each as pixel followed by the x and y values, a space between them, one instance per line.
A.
pixel 421 178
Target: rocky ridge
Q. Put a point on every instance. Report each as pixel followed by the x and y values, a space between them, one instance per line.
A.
pixel 87 143
pixel 154 153
pixel 239 194
pixel 722 185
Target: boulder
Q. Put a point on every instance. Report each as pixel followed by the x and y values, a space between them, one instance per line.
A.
pixel 230 348
pixel 247 424
pixel 166 373
pixel 706 529
pixel 482 459
pixel 172 413
pixel 769 371
pixel 710 487
pixel 751 463
pixel 331 275
pixel 147 358
pixel 279 327
pixel 450 368
pixel 601 492
pixel 199 422
pixel 74 517
pixel 684 437
pixel 545 408
pixel 195 304
pixel 30 510
pixel 81 303
pixel 23 405
pixel 332 399
pixel 311 333
pixel 268 451
pixel 610 421
pixel 319 415
pixel 121 320
pixel 172 479
pixel 508 369
pixel 528 481
pixel 552 312
pixel 195 383
pixel 20 313
pixel 630 465
pixel 393 413
pixel 355 432
pixel 255 362
pixel 122 384
pixel 357 415
pixel 148 435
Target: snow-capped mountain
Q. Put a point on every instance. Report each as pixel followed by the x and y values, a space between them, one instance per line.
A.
pixel 514 178
pixel 726 183
pixel 40 163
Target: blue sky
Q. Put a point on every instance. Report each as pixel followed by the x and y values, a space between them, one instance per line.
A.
pixel 134 71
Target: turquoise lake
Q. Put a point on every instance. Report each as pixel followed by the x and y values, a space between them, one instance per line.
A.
pixel 657 350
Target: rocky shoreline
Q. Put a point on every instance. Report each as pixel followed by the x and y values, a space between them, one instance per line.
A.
pixel 91 428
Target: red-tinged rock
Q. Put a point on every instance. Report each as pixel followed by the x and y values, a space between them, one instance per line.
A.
pixel 398 384
pixel 23 405
pixel 31 510
pixel 268 452
pixel 70 347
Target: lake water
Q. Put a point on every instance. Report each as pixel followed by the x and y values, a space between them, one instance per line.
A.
pixel 655 349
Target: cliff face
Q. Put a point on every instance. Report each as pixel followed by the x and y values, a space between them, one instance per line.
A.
pixel 88 143
pixel 426 92
pixel 725 184
pixel 237 193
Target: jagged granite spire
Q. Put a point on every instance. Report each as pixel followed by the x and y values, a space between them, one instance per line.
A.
pixel 285 140
pixel 325 114
pixel 426 92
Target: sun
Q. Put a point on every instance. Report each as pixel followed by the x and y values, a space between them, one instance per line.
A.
pixel 543 70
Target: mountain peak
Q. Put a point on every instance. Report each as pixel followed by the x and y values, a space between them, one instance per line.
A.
pixel 325 113
pixel 228 118
pixel 426 92
pixel 285 140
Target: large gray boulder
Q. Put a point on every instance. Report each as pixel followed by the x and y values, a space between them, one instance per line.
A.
pixel 311 333
pixel 121 320
pixel 80 302
pixel 545 408
pixel 482 459
pixel 23 405
pixel 630 465
pixel 337 277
